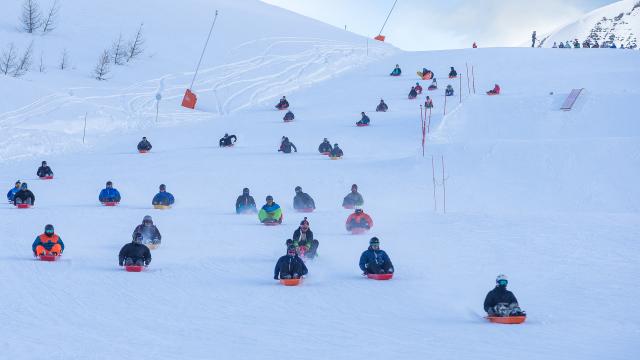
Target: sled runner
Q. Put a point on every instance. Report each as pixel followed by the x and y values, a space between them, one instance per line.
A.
pixel 291 282
pixel 335 157
pixel 360 125
pixel 49 257
pixel 143 151
pixel 380 276
pixel 48 177
pixel 134 268
pixel 507 319
pixel 110 203
pixel 23 206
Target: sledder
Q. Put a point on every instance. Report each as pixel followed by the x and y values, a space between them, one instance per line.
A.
pixel 428 103
pixel 501 302
pixel 109 195
pixel 494 91
pixel 336 153
pixel 418 88
pixel 144 145
pixel 286 146
pixel 453 73
pixel 412 93
pixel 150 233
pixel 44 171
pixel 302 201
pixel 47 244
pixel 270 213
pixel 288 117
pixel 353 198
pixel 396 71
pixel 425 74
pixel 382 107
pixel 227 140
pixel 448 91
pixel 290 266
pixel 134 253
pixel 163 199
pixel 304 242
pixel 434 85
pixel 14 190
pixel 359 221
pixel 325 147
pixel 245 203
pixel 364 121
pixel 24 197
pixel 283 104
pixel 375 261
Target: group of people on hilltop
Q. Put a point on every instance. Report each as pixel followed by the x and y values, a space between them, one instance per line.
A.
pixel 575 44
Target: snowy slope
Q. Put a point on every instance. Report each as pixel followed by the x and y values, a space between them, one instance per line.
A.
pixel 618 23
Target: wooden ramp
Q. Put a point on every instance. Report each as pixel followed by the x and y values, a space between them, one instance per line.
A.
pixel 571 99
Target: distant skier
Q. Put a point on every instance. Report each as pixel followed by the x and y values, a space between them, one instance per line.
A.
pixel 418 88
pixel 396 71
pixel 375 261
pixel 586 44
pixel 382 107
pixel 500 301
pixel 286 145
pixel 434 85
pixel 428 103
pixel 567 45
pixel 353 198
pixel 290 266
pixel 150 233
pixel 302 200
pixel 245 203
pixel 475 46
pixel 325 147
pixel 144 145
pixel 48 243
pixel 413 93
pixel 270 212
pixel 359 219
pixel 555 45
pixel 44 170
pixel 163 197
pixel 576 43
pixel 453 73
pixel 304 240
pixel 12 193
pixel 613 45
pixel 448 91
pixel 427 74
pixel 24 196
pixel 596 45
pixel 336 152
pixel 495 90
pixel 135 253
pixel 227 140
pixel 364 120
pixel 561 46
pixel 533 39
pixel 109 194
pixel 283 104
pixel 288 116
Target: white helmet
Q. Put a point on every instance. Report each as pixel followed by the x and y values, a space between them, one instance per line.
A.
pixel 501 277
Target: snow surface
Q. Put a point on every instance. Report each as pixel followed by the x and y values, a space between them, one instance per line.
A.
pixel 548 197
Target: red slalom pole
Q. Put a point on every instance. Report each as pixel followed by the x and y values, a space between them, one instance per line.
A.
pixel 429 124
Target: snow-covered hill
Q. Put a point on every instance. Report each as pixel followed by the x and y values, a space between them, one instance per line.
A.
pixel 617 23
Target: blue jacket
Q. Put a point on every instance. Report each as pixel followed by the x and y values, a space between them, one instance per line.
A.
pixel 163 198
pixel 12 193
pixel 271 208
pixel 109 194
pixel 373 256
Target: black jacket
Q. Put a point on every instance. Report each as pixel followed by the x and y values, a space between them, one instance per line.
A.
pixel 136 252
pixel 290 265
pixel 453 73
pixel 226 140
pixel 336 152
pixel 150 233
pixel 298 232
pixel 413 93
pixel 44 171
pixel 144 145
pixel 245 201
pixel 382 107
pixel 303 201
pixel 24 195
pixel 325 147
pixel 499 294
pixel 289 116
pixel 286 146
pixel 365 120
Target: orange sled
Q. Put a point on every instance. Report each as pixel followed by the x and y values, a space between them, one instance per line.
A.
pixel 291 282
pixel 507 319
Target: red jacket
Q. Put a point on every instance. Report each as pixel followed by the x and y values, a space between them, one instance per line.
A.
pixel 496 89
pixel 357 218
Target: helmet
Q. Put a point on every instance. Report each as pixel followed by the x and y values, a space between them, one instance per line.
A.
pixel 24 186
pixel 245 191
pixel 18 183
pixel 354 186
pixel 269 198
pixel 137 238
pixel 417 83
pixel 147 219
pixel 226 134
pixel 502 279
pixel 359 211
pixel 291 249
pixel 163 187
pixel 374 241
pixel 335 145
pixel 109 183
pixel 144 138
pixel 362 113
pixel 304 221
pixel 48 229
pixel 44 163
pixel 325 139
pixel 298 189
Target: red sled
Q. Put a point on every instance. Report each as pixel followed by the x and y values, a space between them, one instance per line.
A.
pixel 134 268
pixel 48 177
pixel 326 153
pixel 49 257
pixel 492 93
pixel 453 77
pixel 380 276
pixel 305 210
pixel 273 223
pixel 358 230
pixel 507 319
pixel 291 282
pixel 110 203
pixel 361 125
pixel 432 88
pixel 282 107
pixel 143 151
pixel 412 97
pixel 23 206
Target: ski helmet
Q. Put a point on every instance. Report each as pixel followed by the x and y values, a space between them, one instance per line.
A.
pixel 48 229
pixel 147 219
pixel 335 145
pixel 269 198
pixel 163 187
pixel 18 183
pixel 354 187
pixel 298 189
pixel 24 186
pixel 144 138
pixel 137 238
pixel 374 241
pixel 109 183
pixel 502 279
pixel 245 191
pixel 44 163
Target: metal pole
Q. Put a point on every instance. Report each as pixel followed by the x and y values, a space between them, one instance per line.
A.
pixel 445 106
pixel 203 49
pixel 473 76
pixel 433 177
pixel 158 97
pixel 385 21
pixel 444 189
pixel 468 86
pixel 460 89
pixel 84 131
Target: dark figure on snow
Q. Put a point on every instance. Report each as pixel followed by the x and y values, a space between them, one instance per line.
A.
pixel 24 196
pixel 434 84
pixel 283 104
pixel 418 88
pixel 109 194
pixel 382 107
pixel 364 120
pixel 44 170
pixel 448 91
pixel 495 90
pixel 150 233
pixel 144 145
pixel 163 197
pixel 561 46
pixel 453 73
pixel 475 46
pixel 533 39
pixel 325 147
pixel 576 43
pixel 396 71
pixel 290 266
pixel 596 45
pixel 555 45
pixel 303 240
pixel 135 253
pixel 286 145
pixel 413 93
pixel 12 193
pixel 500 301
pixel 288 116
pixel 228 140
pixel 353 198
pixel 359 219
pixel 428 103
pixel 302 200
pixel 336 152
pixel 375 261
pixel 245 203
pixel 48 243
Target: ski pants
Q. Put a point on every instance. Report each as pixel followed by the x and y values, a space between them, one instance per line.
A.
pixel 29 201
pixel 285 273
pixel 359 224
pixel 56 248
pixel 136 262
pixel 373 268
pixel 504 309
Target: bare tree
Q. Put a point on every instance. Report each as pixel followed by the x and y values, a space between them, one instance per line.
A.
pixel 24 63
pixel 8 59
pixel 118 51
pixel 31 18
pixel 41 68
pixel 102 67
pixel 49 23
pixel 135 46
pixel 64 59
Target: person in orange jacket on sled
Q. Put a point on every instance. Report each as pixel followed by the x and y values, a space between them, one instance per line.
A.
pixel 359 219
pixel 48 243
pixel 495 91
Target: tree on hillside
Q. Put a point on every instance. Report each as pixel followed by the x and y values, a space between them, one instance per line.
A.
pixel 118 51
pixel 24 63
pixel 135 46
pixel 31 18
pixel 64 60
pixel 8 59
pixel 49 23
pixel 102 67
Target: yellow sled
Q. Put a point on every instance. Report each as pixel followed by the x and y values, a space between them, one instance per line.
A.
pixel 162 207
pixel 152 246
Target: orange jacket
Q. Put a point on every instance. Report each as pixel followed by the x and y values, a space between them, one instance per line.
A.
pixel 357 218
pixel 47 242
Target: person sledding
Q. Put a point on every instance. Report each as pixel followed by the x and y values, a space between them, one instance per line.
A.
pixel 303 201
pixel 144 144
pixel 44 170
pixel 336 152
pixel 500 301
pixel 413 93
pixel 134 253
pixel 245 203
pixel 227 140
pixel 426 74
pixel 325 147
pixel 163 198
pixel 364 121
pixel 290 266
pixel 495 90
pixel 14 190
pixel 375 261
pixel 453 73
pixel 475 46
pixel 353 198
pixel 288 116
pixel 109 194
pixel 428 103
pixel 382 107
pixel 286 145
pixel 418 88
pixel 270 213
pixel 448 91
pixel 150 233
pixel 306 245
pixel 24 196
pixel 283 104
pixel 48 243
pixel 434 85
pixel 359 220
pixel 396 71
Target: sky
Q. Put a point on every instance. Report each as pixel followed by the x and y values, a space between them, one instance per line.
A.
pixel 434 25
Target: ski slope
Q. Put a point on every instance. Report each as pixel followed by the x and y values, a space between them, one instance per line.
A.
pixel 545 196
